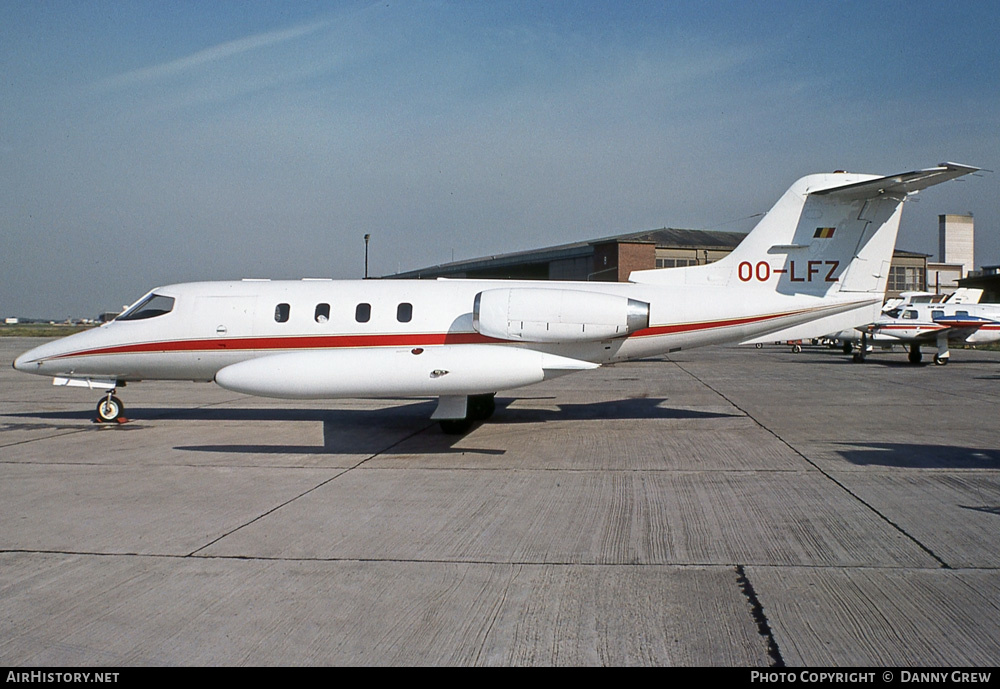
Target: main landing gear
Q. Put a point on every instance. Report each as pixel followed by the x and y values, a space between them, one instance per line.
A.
pixel 943 354
pixel 862 350
pixel 941 357
pixel 478 408
pixel 110 409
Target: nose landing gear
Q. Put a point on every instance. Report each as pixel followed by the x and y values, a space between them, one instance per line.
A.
pixel 110 409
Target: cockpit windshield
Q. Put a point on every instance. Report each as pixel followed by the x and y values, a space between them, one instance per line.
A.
pixel 152 306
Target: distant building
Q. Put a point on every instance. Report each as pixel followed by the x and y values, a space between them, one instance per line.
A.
pixel 988 280
pixel 957 241
pixel 943 277
pixel 10 321
pixel 908 272
pixel 956 253
pixel 611 259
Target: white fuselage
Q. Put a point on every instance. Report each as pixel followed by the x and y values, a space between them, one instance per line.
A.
pixel 213 325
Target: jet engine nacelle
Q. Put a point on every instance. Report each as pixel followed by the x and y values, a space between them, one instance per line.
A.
pixel 556 315
pixel 394 371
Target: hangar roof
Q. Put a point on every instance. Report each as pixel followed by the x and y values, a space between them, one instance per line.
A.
pixel 666 237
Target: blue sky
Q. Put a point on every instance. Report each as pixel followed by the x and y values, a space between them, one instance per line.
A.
pixel 145 143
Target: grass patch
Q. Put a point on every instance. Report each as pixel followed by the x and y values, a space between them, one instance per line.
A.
pixel 41 330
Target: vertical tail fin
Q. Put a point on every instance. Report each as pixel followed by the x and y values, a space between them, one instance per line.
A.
pixel 829 233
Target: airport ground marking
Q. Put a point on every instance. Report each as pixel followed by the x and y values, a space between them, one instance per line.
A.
pixel 858 498
pixel 338 474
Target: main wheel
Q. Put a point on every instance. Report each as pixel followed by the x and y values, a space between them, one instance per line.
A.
pixel 940 360
pixel 455 426
pixel 110 409
pixel 481 407
pixel 915 356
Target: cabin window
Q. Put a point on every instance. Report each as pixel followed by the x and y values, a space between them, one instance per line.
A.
pixel 363 313
pixel 937 314
pixel 281 312
pixel 910 315
pixel 322 314
pixel 152 306
pixel 404 312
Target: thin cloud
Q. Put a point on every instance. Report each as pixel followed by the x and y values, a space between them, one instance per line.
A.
pixel 207 56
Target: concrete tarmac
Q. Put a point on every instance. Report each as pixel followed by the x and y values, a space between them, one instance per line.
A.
pixel 720 506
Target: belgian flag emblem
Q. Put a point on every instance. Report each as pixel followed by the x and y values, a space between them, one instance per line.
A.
pixel 824 232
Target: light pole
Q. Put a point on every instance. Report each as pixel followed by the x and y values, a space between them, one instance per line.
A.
pixel 367 237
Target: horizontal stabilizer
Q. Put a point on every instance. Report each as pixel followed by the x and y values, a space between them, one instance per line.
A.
pixel 901 184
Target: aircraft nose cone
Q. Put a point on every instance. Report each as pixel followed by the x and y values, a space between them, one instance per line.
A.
pixel 24 362
pixel 30 361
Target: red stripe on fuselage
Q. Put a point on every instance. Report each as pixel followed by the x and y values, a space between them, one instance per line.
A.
pixel 389 340
pixel 706 325
pixel 283 343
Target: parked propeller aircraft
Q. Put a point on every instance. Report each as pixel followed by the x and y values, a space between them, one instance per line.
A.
pixel 917 324
pixel 816 263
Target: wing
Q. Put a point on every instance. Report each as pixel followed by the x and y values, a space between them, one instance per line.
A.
pixel 961 327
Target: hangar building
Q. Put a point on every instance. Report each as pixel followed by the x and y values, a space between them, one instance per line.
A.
pixel 611 259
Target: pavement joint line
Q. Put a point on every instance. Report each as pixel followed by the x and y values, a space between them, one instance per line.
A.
pixel 512 563
pixel 49 437
pixel 759 617
pixel 827 475
pixel 95 427
pixel 457 469
pixel 310 490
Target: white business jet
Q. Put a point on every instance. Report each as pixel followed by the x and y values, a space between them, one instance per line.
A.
pixel 818 262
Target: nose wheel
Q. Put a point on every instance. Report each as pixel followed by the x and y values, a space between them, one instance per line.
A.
pixel 110 409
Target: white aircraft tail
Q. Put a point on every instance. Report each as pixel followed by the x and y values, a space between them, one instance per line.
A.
pixel 829 234
pixel 965 295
